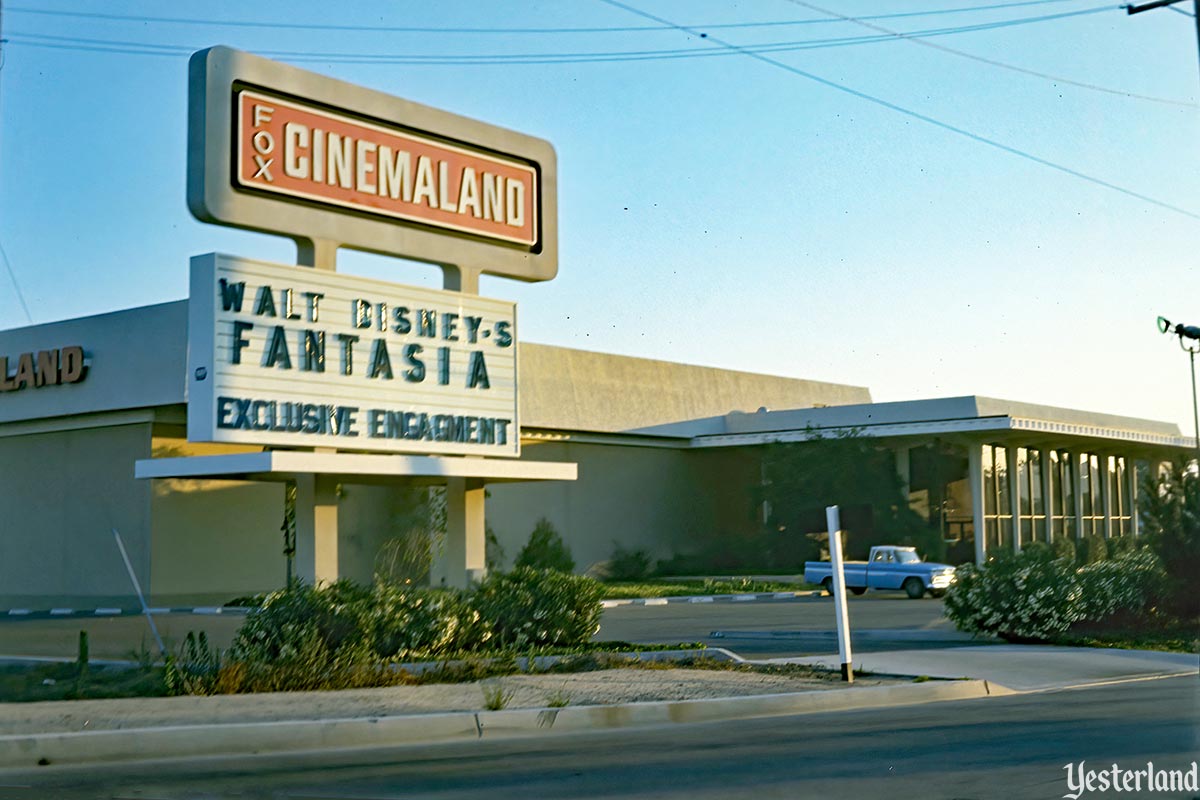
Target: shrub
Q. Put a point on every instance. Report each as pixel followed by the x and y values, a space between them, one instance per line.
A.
pixel 1018 597
pixel 529 607
pixel 1131 582
pixel 1064 548
pixel 1035 597
pixel 1169 500
pixel 545 550
pixel 302 617
pixel 628 565
pixel 1121 545
pixel 405 622
pixel 1095 550
pixel 346 636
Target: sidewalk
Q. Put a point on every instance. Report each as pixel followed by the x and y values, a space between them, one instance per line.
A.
pixel 1020 667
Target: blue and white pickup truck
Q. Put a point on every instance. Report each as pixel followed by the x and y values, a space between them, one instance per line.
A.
pixel 889 567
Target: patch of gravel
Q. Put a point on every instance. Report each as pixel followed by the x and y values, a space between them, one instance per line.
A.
pixel 602 687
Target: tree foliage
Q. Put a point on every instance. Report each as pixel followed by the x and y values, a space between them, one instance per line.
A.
pixel 545 550
pixel 847 470
pixel 1170 512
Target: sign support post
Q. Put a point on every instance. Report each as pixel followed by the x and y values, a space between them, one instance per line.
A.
pixel 833 519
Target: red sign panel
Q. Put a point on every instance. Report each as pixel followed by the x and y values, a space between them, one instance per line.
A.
pixel 303 151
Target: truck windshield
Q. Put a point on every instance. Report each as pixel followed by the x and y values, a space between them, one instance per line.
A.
pixel 907 557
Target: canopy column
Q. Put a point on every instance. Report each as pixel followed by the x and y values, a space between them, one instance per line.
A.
pixel 316 528
pixel 463 558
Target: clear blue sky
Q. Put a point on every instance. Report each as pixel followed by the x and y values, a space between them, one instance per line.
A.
pixel 715 210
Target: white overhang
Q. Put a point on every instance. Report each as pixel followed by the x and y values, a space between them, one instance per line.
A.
pixel 956 426
pixel 282 465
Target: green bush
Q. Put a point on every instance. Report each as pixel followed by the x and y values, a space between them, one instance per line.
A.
pixel 1036 597
pixel 301 617
pixel 1095 550
pixel 628 565
pixel 1017 597
pixel 529 607
pixel 345 636
pixel 1131 582
pixel 1169 501
pixel 1064 548
pixel 545 550
pixel 405 622
pixel 1121 545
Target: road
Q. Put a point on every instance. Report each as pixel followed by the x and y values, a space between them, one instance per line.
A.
pixel 122 638
pixel 999 747
pixel 803 626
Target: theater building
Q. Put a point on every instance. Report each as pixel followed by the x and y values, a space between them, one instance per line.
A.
pixel 173 446
pixel 666 452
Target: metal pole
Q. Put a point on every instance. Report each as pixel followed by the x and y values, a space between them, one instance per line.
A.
pixel 141 597
pixel 1195 415
pixel 1196 15
pixel 833 520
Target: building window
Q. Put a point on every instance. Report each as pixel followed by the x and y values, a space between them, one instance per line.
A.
pixel 1091 479
pixel 1121 492
pixel 1031 504
pixel 997 500
pixel 1061 467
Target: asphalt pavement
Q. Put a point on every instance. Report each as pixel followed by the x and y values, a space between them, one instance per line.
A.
pixel 780 628
pixel 1000 747
pixel 765 628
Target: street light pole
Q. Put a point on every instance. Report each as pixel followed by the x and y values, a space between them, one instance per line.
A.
pixel 1137 9
pixel 1192 334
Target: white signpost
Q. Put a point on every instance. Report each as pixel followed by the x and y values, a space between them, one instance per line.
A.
pixel 833 519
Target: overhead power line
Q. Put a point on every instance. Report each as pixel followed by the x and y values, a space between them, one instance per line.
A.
pixel 144 48
pixel 16 286
pixel 912 114
pixel 502 31
pixel 861 21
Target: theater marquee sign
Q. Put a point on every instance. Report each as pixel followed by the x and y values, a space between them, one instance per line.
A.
pixel 299 150
pixel 291 356
pixel 279 149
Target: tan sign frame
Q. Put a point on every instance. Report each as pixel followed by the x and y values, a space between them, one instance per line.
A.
pixel 217 74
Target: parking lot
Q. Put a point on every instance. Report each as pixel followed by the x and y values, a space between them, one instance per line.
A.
pixel 800 626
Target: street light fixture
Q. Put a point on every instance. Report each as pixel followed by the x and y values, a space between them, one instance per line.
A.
pixel 1192 346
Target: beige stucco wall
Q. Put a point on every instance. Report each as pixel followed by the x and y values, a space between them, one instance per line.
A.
pixel 578 390
pixel 217 540
pixel 643 498
pixel 62 493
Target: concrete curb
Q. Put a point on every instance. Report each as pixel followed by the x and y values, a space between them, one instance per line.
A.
pixel 863 634
pixel 24 753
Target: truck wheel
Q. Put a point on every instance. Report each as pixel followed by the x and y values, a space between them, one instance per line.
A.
pixel 827 585
pixel 914 587
pixel 859 590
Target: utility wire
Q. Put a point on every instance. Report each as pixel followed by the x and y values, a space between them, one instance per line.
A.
pixel 913 114
pixel 861 21
pixel 1181 11
pixel 144 48
pixel 16 286
pixel 502 31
